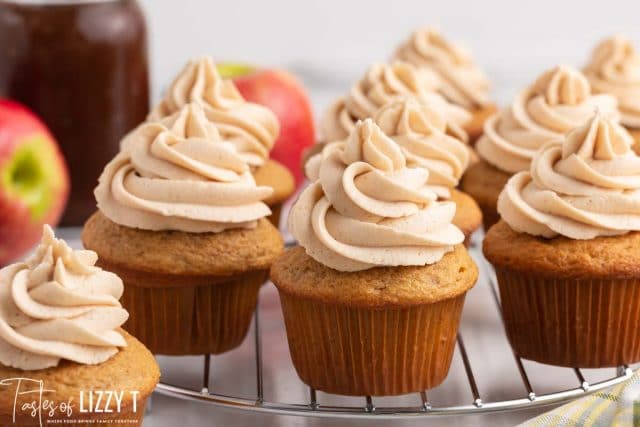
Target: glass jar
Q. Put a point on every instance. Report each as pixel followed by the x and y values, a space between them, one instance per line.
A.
pixel 82 66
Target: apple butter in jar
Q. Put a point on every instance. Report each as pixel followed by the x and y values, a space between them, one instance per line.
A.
pixel 81 65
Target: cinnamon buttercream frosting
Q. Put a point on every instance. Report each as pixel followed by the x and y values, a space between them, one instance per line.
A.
pixel 583 187
pixel 251 127
pixel 615 69
pixel 178 174
pixel 557 102
pixel 422 133
pixel 381 84
pixel 462 82
pixel 367 209
pixel 59 305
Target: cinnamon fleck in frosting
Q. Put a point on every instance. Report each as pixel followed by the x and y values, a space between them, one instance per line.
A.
pixel 581 187
pixel 251 127
pixel 368 209
pixel 462 82
pixel 179 174
pixel 381 84
pixel 558 101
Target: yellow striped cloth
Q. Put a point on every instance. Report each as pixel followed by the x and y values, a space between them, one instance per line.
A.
pixel 618 406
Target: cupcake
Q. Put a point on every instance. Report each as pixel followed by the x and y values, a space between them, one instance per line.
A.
pixel 428 141
pixel 181 220
pixel 461 81
pixel 615 69
pixel 381 84
pixel 557 102
pixel 372 298
pixel 565 251
pixel 252 128
pixel 60 334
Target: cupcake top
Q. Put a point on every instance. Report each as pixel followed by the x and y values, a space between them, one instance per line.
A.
pixel 367 209
pixel 59 305
pixel 462 82
pixel 178 174
pixel 381 84
pixel 582 187
pixel 252 128
pixel 615 69
pixel 426 141
pixel 557 102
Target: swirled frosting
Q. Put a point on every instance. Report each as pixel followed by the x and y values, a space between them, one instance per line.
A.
pixel 421 132
pixel 252 128
pixel 557 102
pixel 615 69
pixel 583 187
pixel 367 209
pixel 59 305
pixel 462 81
pixel 178 175
pixel 381 84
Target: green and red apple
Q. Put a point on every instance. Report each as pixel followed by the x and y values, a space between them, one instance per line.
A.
pixel 34 182
pixel 283 93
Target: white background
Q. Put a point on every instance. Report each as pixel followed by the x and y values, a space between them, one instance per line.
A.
pixel 329 43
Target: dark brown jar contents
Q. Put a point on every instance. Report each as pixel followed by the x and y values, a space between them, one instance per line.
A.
pixel 83 67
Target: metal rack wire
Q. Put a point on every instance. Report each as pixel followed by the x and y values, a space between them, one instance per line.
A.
pixel 368 409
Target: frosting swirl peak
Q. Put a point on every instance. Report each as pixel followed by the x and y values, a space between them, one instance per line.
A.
pixel 178 175
pixel 381 84
pixel 426 140
pixel 367 209
pixel 583 187
pixel 251 127
pixel 615 69
pixel 462 81
pixel 559 100
pixel 59 305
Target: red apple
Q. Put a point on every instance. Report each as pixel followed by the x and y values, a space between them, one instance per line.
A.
pixel 34 182
pixel 283 93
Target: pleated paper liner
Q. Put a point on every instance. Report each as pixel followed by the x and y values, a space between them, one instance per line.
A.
pixel 571 322
pixel 371 351
pixel 182 320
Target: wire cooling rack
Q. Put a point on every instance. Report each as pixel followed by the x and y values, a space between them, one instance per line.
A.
pixel 308 403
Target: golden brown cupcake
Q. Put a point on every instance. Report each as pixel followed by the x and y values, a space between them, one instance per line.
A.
pixel 251 127
pixel 428 141
pixel 181 219
pixel 275 175
pixel 483 183
pixel 372 298
pixel 565 255
pixel 461 81
pixel 614 68
pixel 60 333
pixel 557 102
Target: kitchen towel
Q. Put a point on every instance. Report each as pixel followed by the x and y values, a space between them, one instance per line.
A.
pixel 618 406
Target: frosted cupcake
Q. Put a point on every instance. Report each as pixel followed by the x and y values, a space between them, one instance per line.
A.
pixel 559 100
pixel 252 128
pixel 181 220
pixel 381 84
pixel 372 298
pixel 60 324
pixel 427 140
pixel 614 68
pixel 565 252
pixel 461 81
